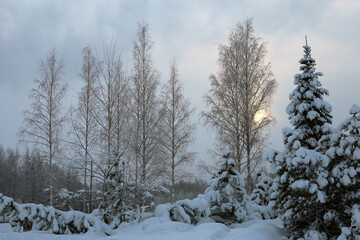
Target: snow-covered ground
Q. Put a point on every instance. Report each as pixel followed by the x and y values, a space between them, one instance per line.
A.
pixel 164 229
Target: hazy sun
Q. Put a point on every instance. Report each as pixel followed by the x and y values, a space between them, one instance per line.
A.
pixel 259 116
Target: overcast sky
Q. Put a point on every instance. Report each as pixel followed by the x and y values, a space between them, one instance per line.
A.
pixel 188 31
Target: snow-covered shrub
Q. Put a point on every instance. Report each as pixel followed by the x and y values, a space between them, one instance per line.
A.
pixel 190 211
pixel 226 194
pixel 66 196
pixel 26 217
pixel 126 201
pixel 264 195
pixel 145 199
pixel 224 201
pixel 355 221
pixel 261 195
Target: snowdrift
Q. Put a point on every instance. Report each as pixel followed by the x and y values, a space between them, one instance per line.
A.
pixel 163 229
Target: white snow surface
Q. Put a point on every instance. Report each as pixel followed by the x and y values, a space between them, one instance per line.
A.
pixel 157 228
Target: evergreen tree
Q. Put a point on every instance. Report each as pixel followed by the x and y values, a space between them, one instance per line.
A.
pixel 261 195
pixel 302 171
pixel 115 208
pixel 301 188
pixel 307 110
pixel 343 190
pixel 226 194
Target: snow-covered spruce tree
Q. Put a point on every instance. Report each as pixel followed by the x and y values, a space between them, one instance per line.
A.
pixel 308 112
pixel 226 194
pixel 302 171
pixel 264 196
pixel 261 195
pixel 301 189
pixel 115 207
pixel 344 187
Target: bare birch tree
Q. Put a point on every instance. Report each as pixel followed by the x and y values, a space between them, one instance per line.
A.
pixel 146 110
pixel 111 100
pixel 43 124
pixel 83 134
pixel 240 98
pixel 177 132
pixel 111 112
pixel 122 111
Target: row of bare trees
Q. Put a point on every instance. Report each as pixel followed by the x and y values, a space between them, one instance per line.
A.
pixel 124 115
pixel 118 115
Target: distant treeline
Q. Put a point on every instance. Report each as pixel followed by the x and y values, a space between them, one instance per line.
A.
pixel 23 177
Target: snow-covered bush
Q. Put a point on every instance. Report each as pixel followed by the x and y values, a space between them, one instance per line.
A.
pixel 145 199
pixel 66 196
pixel 301 192
pixel 264 196
pixel 26 217
pixel 224 201
pixel 301 186
pixel 261 195
pixel 124 200
pixel 352 232
pixel 190 211
pixel 301 183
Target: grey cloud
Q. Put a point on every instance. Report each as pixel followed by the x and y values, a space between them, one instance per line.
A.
pixel 186 30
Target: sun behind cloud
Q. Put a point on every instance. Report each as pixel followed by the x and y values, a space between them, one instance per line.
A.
pixel 260 115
